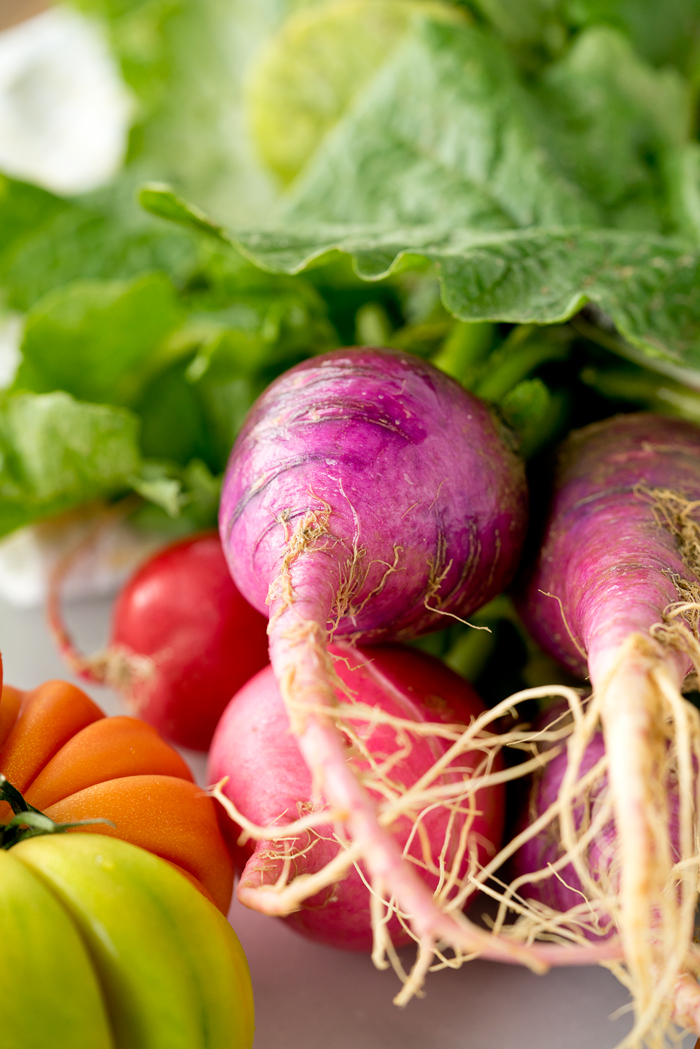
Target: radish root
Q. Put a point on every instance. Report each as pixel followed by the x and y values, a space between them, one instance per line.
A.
pixel 644 891
pixel 116 667
pixel 270 883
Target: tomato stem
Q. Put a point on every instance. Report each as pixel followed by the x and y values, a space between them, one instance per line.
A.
pixel 28 822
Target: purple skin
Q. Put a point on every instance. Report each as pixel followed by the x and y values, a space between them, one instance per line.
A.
pixel 604 556
pixel 564 892
pixel 416 472
pixel 546 848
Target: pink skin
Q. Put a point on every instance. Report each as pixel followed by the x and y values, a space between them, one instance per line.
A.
pixel 604 558
pixel 368 494
pixel 603 579
pixel 566 891
pixel 563 892
pixel 268 779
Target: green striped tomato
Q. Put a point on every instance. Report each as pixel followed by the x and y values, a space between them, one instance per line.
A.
pixel 106 946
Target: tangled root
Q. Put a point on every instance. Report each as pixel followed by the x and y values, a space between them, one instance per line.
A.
pixel 647 888
pixel 447 939
pixel 643 891
pixel 580 935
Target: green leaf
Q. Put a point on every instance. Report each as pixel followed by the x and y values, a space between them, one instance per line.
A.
pixel 56 453
pixel 314 68
pixel 613 122
pixel 445 133
pixel 646 283
pixel 174 425
pixel 195 500
pixel 186 62
pixel 520 20
pixel 160 199
pixel 683 180
pixel 23 207
pixel 201 493
pixel 156 198
pixel 99 341
pixel 226 403
pixel 157 484
pixel 104 237
pixel 661 32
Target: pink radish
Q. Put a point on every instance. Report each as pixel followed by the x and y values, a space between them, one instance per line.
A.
pixel 270 785
pixel 614 593
pixel 183 640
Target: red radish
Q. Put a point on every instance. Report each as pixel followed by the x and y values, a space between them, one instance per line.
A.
pixel 368 495
pixel 269 784
pixel 183 640
pixel 615 591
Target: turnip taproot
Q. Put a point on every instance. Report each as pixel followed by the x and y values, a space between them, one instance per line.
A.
pixel 183 640
pixel 407 710
pixel 615 592
pixel 368 496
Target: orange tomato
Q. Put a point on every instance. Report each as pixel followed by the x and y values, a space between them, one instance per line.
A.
pixel 72 762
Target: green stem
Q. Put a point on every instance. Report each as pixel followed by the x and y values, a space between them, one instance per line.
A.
pixel 28 822
pixel 470 653
pixel 509 365
pixel 647 389
pixel 464 350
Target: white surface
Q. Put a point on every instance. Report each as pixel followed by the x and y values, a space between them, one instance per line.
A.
pixel 64 109
pixel 312 997
pixel 108 556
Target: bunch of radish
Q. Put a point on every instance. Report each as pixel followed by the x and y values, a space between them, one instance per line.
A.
pixel 369 499
pixel 368 496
